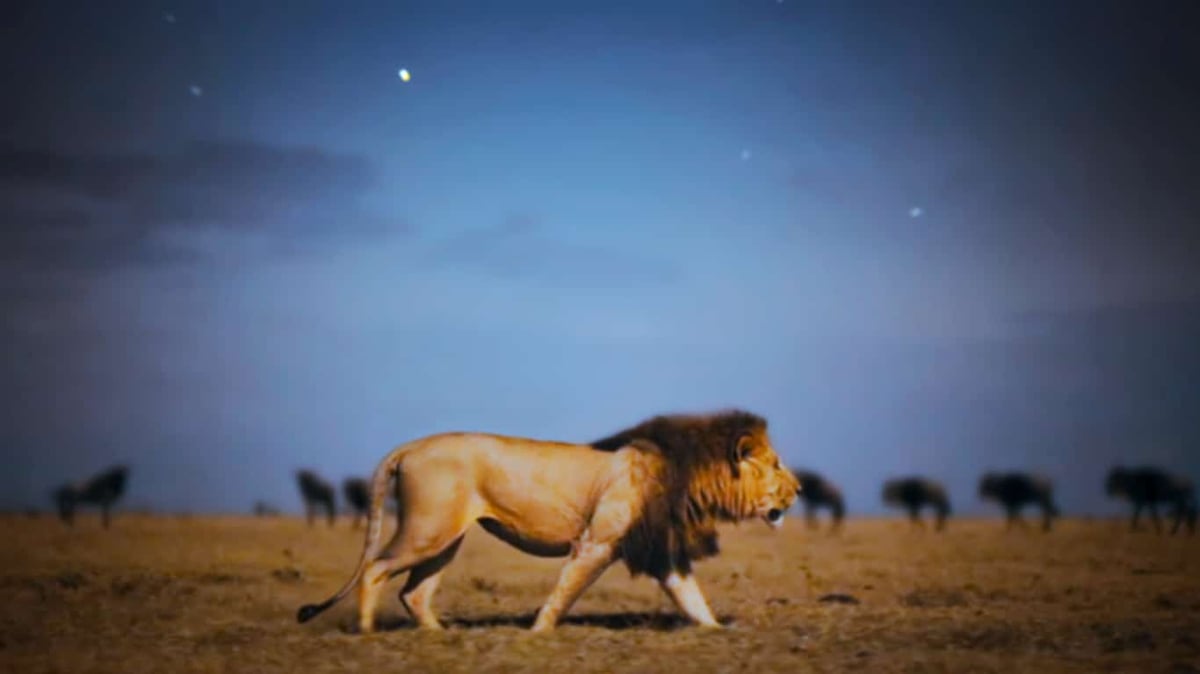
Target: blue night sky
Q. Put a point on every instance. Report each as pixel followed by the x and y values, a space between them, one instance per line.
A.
pixel 918 238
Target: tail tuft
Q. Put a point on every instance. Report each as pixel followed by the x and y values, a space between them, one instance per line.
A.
pixel 310 611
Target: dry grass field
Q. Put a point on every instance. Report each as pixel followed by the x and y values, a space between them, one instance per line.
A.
pixel 166 594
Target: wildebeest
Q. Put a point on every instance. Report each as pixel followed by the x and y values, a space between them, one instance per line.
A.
pixel 1016 490
pixel 358 496
pixel 317 493
pixel 103 490
pixel 817 492
pixel 1146 487
pixel 913 493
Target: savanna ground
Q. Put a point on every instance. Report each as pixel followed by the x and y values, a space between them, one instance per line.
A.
pixel 167 594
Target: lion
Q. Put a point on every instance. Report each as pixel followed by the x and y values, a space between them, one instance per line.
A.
pixel 913 493
pixel 357 493
pixel 104 490
pixel 816 492
pixel 650 496
pixel 1016 490
pixel 316 493
pixel 1146 487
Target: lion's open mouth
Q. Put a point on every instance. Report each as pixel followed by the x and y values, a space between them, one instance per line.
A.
pixel 774 517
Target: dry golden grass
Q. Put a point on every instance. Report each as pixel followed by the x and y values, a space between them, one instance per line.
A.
pixel 163 594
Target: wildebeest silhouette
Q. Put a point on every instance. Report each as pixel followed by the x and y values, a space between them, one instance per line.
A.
pixel 317 493
pixel 1015 490
pixel 1146 487
pixel 913 493
pixel 358 496
pixel 817 492
pixel 103 490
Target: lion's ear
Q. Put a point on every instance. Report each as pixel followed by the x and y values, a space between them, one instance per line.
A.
pixel 739 451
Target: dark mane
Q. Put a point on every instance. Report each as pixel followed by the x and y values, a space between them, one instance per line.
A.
pixel 699 463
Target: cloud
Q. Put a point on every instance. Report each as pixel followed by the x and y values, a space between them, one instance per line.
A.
pixel 521 248
pixel 89 211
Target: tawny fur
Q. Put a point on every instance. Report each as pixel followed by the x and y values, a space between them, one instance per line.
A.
pixel 650 495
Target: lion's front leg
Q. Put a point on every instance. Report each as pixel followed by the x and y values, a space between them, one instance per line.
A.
pixel 686 594
pixel 589 560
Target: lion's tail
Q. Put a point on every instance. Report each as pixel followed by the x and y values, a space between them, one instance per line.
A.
pixel 380 483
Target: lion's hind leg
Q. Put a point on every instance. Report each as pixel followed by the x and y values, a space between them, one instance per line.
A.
pixel 415 545
pixel 422 583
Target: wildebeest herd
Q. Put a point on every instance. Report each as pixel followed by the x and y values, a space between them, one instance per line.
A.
pixel 1147 489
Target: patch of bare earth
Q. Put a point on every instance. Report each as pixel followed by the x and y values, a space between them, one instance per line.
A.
pixel 162 594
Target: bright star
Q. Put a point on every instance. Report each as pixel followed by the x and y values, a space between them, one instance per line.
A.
pixel 915 212
pixel 404 75
pixel 196 90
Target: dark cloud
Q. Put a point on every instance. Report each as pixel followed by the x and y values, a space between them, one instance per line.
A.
pixel 80 211
pixel 521 247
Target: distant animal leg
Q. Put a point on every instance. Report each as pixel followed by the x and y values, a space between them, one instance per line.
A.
pixel 104 514
pixel 422 583
pixel 330 512
pixel 1154 519
pixel 308 512
pixel 588 561
pixel 914 516
pixel 687 596
pixel 1137 513
pixel 810 515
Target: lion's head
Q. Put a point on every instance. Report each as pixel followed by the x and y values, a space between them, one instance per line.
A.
pixel 715 467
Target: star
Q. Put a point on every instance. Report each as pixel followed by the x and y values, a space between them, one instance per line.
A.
pixel 168 17
pixel 745 155
pixel 404 75
pixel 915 212
pixel 196 90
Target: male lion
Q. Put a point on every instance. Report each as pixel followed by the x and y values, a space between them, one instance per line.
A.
pixel 650 496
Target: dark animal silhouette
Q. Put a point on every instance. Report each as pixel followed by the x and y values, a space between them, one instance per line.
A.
pixel 264 509
pixel 914 493
pixel 317 493
pixel 1146 487
pixel 1014 491
pixel 817 492
pixel 103 490
pixel 358 496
